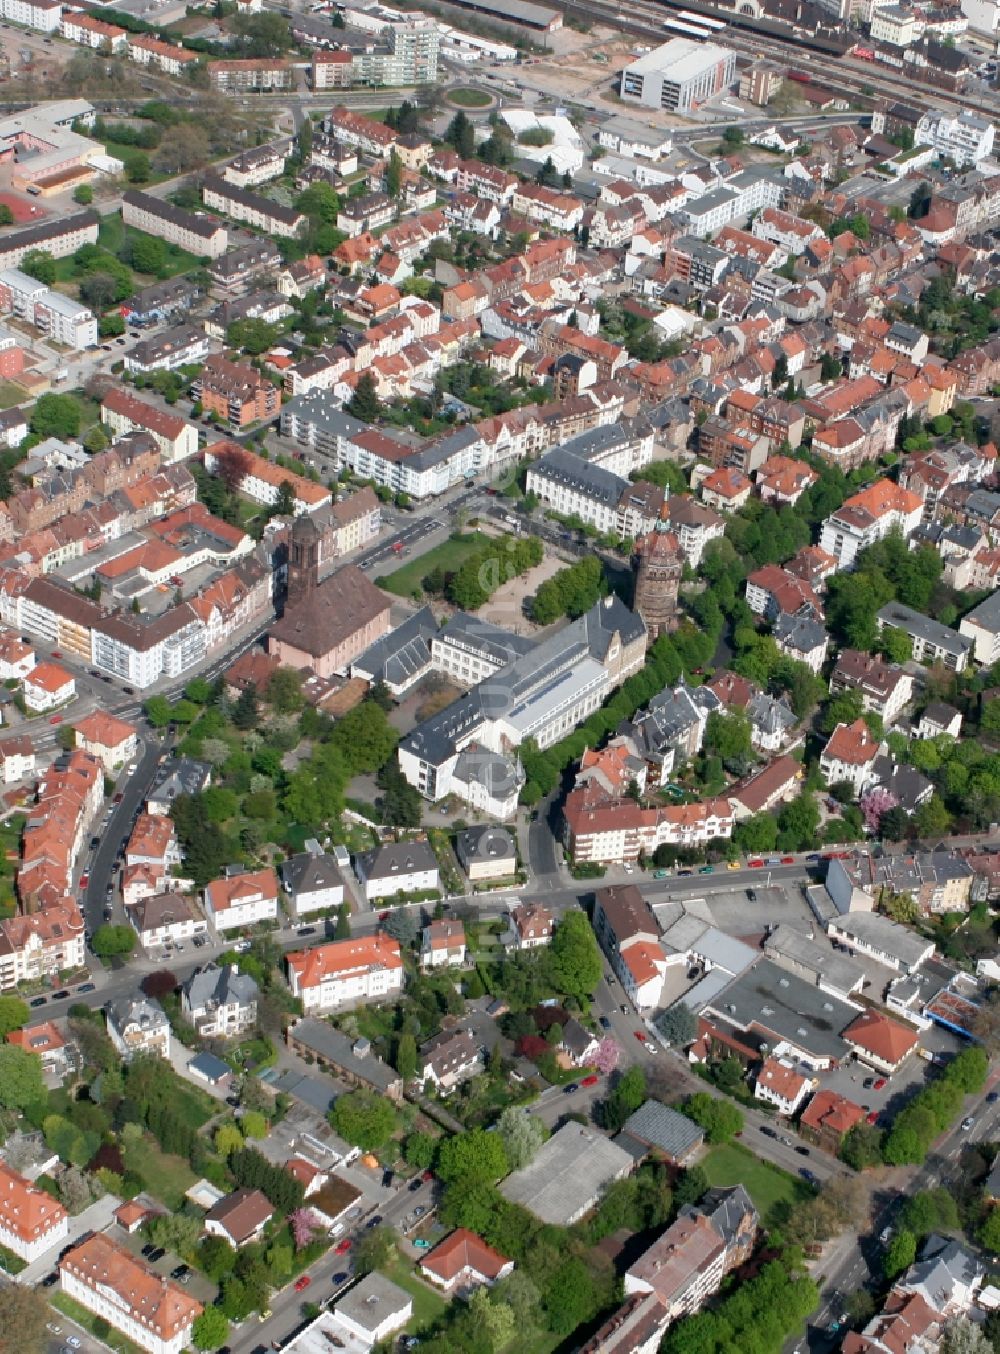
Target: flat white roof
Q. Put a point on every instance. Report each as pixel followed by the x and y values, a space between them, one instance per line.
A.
pixel 680 59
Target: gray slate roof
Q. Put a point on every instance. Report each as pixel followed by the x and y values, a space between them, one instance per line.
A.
pixel 309 873
pixel 219 986
pixel 659 1126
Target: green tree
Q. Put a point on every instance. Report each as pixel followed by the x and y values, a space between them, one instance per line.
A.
pixel 216 1257
pixel 39 264
pixel 365 1118
pixel 419 1149
pixel 176 1232
pixel 210 1329
pixel 374 1250
pixel 56 416
pixel 862 1147
pixel 245 712
pixel 896 645
pixel 493 1319
pixel 158 711
pixel 678 1025
pixel 394 174
pixel 989 1232
pixel 406 1056
pixel 625 1097
pixel 728 736
pixel 252 336
pixel 720 1119
pixel 522 1134
pixel 265 34
pixel 228 1138
pixel 83 194
pixel 899 1254
pixel 284 503
pixel 475 1157
pixel 574 958
pixel 461 135
pixel 364 404
pixel 13 1014
pixel 21 1081
pixel 146 253
pixel 109 941
pixel 23 1317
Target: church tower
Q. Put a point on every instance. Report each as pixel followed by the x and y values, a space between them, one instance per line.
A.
pixel 658 580
pixel 303 559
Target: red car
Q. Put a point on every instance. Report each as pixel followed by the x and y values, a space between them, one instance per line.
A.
pixel 641 1036
pixel 788 860
pixel 427 1177
pixel 56 653
pixel 84 879
pixel 383 916
pixel 342 1247
pixel 756 864
pixel 879 1084
pixel 872 1118
pixel 302 1282
pixel 56 719
pixel 592 1080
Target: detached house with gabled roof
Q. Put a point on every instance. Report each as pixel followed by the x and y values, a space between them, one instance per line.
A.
pixel 397 867
pixel 880 1041
pixel 850 755
pixel 313 882
pixel 443 945
pixel 463 1261
pixel 242 900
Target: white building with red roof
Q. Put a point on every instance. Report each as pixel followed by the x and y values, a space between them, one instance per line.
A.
pixel 149 1309
pixel 850 755
pixel 463 1261
pixel 31 1221
pixel 779 1084
pixel 47 686
pixel 111 739
pixel 361 968
pixel 242 900
pixel 881 1042
pixel 443 945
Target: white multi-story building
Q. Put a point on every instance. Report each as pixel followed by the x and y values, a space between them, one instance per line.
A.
pixel 31 1221
pixel 397 867
pixel 965 138
pixel 138 1025
pixel 679 75
pixel 850 755
pixel 779 1084
pixel 140 654
pixel 242 900
pixel 169 57
pixel 199 235
pixel 59 317
pixel 150 1310
pixel 932 642
pixel 894 25
pixel 123 413
pixel 313 882
pixel 40 945
pixel 870 516
pixel 184 345
pixel 45 15
pixel 252 209
pixel 90 32
pixel 362 968
pixel 220 1003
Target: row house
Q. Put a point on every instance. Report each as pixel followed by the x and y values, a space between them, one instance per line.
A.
pixel 233 272
pixel 197 234
pixel 252 209
pixel 607 831
pixel 629 935
pixel 547 207
pixel 238 598
pixel 772 419
pixel 90 32
pixel 354 129
pixel 171 58
pixel 261 479
pixel 123 413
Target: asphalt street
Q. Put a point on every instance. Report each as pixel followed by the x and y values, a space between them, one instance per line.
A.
pixel 113 831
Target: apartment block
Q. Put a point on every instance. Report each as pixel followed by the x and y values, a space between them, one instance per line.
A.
pixel 251 208
pixel 363 968
pixel 236 392
pixel 199 235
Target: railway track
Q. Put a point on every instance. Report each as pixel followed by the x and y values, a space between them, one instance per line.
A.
pixel 842 75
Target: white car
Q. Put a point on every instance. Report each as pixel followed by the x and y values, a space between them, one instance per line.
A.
pixel 53 1329
pixel 627 868
pixel 73 1341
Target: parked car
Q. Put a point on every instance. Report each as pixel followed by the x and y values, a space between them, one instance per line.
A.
pixel 592 1080
pixel 342 1247
pixel 967 1123
pixel 158 1253
pixel 414 1185
pixel 802 1151
pixel 880 1083
pixel 373 1222
pixel 85 987
pixel 768 1132
pixel 572 1088
pixel 302 1283
pixel 640 1035
pixel 37 1001
pixel 604 1022
pixel 340 1277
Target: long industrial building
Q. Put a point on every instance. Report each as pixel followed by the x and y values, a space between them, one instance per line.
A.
pixel 678 76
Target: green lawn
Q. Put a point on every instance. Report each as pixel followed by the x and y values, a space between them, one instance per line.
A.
pixel 469 98
pixel 769 1187
pixel 110 1337
pixel 450 555
pixel 166 1177
pixel 427 1304
pixel 10 394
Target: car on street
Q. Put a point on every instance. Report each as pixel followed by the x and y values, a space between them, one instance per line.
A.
pixel 373 1222
pixel 802 1151
pixel 147 1250
pixel 640 1035
pixel 967 1123
pixel 340 1277
pixel 768 1132
pixel 157 1253
pixel 604 1022
pixel 812 857
pixel 86 987
pixel 872 1118
pixel 85 879
pixel 685 873
pixel 733 865
pixel 419 1211
pixel 61 995
pixel 756 864
pixel 302 1283
pixel 342 1247
pixel 307 931
pixel 56 653
pixel 788 860
pixel 427 1177
pixel 751 895
pixel 993 1097
pixel 50 1279
pixel 37 1001
pixel 572 1088
pixel 707 869
pixel 661 874
pixel 56 719
pixel 808 1175
pixel 414 1185
pixel 53 1329
pixel 592 1080
pixel 879 1084
pixel 627 868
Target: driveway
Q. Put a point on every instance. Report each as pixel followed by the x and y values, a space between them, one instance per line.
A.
pixel 96 1217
